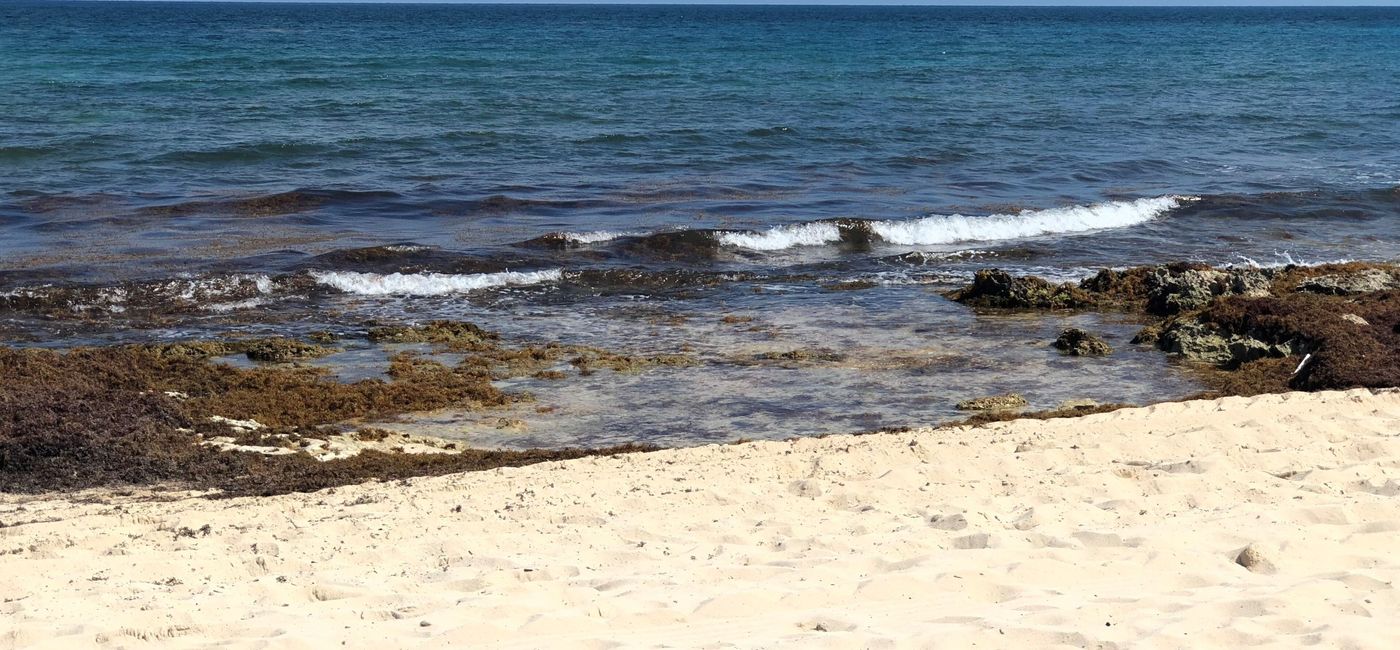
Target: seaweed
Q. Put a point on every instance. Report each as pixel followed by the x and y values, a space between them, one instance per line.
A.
pixel 987 417
pixel 1351 342
pixel 138 415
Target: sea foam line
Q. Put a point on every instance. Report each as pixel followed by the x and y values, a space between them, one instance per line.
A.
pixel 428 284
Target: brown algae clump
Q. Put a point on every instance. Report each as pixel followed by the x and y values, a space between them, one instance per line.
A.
pixel 282 350
pixel 1334 342
pixel 128 415
pixel 454 335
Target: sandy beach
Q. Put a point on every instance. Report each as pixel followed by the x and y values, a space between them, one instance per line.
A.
pixel 1267 521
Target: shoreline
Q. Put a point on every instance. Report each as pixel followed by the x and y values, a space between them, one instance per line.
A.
pixel 1125 527
pixel 260 416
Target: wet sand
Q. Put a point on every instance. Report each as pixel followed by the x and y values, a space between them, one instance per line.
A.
pixel 1124 529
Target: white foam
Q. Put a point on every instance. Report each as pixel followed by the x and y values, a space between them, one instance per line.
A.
pixel 428 284
pixel 780 237
pixel 955 228
pixel 227 307
pixel 1285 258
pixel 595 237
pixel 949 229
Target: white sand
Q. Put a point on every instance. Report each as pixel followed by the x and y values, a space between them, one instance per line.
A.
pixel 1115 530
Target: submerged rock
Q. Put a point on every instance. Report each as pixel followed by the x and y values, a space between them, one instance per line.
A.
pixel 1077 404
pixel 998 289
pixel 993 403
pixel 851 285
pixel 1079 343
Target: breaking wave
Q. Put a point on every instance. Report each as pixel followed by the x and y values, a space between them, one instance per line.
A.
pixel 807 234
pixel 428 284
pixel 955 228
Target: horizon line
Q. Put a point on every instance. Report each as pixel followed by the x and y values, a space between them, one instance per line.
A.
pixel 1150 4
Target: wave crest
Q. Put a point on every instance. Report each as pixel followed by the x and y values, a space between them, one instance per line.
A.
pixel 956 228
pixel 807 234
pixel 429 284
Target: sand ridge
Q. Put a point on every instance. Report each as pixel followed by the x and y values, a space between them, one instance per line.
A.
pixel 1115 530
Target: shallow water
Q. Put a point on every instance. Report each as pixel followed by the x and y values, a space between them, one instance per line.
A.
pixel 626 176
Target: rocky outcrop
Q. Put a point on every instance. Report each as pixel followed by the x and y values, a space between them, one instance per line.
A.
pixel 1209 343
pixel 1163 290
pixel 1079 343
pixel 1350 284
pixel 1175 288
pixel 1353 341
pixel 1000 290
pixel 1192 289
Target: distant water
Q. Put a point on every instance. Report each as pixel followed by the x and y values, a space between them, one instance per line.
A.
pixel 587 172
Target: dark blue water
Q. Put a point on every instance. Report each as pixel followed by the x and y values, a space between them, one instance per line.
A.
pixel 168 169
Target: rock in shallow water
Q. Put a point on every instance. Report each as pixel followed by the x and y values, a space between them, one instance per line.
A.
pixel 1079 343
pixel 993 403
pixel 999 289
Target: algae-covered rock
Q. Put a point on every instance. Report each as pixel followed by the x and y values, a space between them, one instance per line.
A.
pixel 453 334
pixel 1079 343
pixel 812 355
pixel 592 359
pixel 281 350
pixel 190 350
pixel 998 289
pixel 1177 292
pixel 993 403
pixel 1148 335
pixel 1206 342
pixel 1169 289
